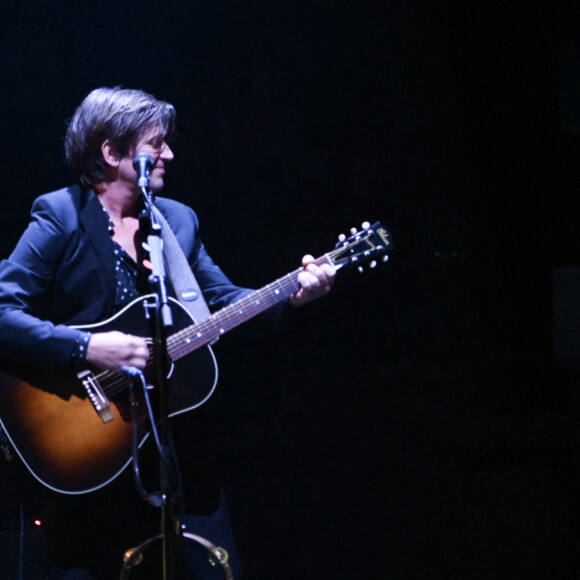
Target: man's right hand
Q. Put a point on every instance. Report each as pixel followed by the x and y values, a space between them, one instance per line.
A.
pixel 113 350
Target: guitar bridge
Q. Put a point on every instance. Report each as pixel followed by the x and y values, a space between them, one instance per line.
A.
pixel 96 395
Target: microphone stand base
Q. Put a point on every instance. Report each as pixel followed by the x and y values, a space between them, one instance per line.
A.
pixel 217 556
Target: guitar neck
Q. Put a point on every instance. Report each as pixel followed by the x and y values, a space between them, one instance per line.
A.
pixel 207 331
pixel 371 242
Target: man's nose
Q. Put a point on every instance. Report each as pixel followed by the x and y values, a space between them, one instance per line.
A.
pixel 166 152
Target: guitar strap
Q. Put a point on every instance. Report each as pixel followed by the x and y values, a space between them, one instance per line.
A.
pixel 179 271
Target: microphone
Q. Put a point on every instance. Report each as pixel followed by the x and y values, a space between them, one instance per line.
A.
pixel 143 164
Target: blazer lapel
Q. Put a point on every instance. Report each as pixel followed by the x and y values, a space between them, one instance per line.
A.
pixel 94 221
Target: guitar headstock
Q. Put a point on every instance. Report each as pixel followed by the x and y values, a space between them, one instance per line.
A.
pixel 365 246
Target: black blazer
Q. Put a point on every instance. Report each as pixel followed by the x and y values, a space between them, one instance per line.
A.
pixel 62 273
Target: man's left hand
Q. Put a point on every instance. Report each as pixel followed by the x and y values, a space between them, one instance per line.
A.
pixel 315 281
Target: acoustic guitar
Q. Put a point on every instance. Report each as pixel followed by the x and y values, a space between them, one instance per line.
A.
pixel 74 433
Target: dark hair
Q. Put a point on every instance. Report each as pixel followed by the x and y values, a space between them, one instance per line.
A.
pixel 122 116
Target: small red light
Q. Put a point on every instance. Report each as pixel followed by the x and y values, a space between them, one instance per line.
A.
pixel 37 523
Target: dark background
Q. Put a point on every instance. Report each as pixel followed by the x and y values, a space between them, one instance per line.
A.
pixel 417 423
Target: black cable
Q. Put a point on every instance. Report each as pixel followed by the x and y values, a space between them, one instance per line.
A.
pixel 138 377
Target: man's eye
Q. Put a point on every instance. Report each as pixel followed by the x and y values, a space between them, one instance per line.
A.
pixel 156 143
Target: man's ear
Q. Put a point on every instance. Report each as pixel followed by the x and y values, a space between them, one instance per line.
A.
pixel 110 154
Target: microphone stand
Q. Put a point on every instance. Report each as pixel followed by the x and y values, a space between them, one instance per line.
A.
pixel 171 527
pixel 163 321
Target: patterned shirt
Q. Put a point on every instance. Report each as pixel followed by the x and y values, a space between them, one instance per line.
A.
pixel 128 280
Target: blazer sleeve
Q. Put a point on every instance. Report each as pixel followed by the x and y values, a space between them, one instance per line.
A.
pixel 26 290
pixel 218 290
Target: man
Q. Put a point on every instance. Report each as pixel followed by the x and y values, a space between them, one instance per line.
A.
pixel 80 261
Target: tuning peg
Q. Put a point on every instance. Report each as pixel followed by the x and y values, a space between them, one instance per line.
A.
pixel 341 238
pixel 373 264
pixel 353 231
pixel 361 269
pixel 366 225
pixel 385 258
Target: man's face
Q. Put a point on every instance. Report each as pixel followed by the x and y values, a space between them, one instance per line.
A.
pixel 153 143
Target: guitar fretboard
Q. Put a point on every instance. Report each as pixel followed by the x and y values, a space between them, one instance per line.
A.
pixel 205 332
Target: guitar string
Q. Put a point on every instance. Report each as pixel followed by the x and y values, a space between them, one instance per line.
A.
pixel 239 311
pixel 181 343
pixel 114 382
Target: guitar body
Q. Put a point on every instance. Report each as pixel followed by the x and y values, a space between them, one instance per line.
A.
pixel 59 435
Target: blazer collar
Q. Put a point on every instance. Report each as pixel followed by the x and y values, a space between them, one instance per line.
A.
pixel 94 221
